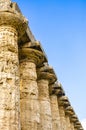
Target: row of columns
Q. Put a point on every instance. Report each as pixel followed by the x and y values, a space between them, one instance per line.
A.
pixel 29 97
pixel 34 89
pixel 29 100
pixel 43 103
pixel 67 117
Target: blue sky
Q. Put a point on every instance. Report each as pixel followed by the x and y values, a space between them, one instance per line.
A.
pixel 60 25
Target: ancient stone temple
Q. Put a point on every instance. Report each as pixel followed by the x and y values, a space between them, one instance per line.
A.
pixel 31 98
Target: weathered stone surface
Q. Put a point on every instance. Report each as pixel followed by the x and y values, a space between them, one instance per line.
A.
pixel 45 109
pixel 5 4
pixel 29 104
pixel 72 126
pixel 9 79
pixel 62 118
pixel 56 121
pixel 16 21
pixel 31 54
pixel 68 123
pixel 27 100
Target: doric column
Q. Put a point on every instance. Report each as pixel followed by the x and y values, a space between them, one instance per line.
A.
pixel 61 98
pixel 29 103
pixel 72 126
pixel 62 117
pixel 62 113
pixel 10 26
pixel 76 125
pixel 44 79
pixel 68 122
pixel 56 123
pixel 73 120
pixel 69 113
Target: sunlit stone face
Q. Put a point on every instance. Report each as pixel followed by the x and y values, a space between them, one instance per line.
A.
pixel 4 3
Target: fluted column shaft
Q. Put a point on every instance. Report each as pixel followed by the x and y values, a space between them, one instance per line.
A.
pixel 45 109
pixel 72 126
pixel 29 96
pixel 56 123
pixel 9 79
pixel 68 123
pixel 29 103
pixel 62 117
pixel 46 77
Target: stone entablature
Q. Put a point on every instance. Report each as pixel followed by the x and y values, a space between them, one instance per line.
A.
pixel 31 98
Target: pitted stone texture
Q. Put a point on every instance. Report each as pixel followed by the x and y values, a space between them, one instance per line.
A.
pixel 56 123
pixel 14 20
pixel 43 89
pixel 45 109
pixel 5 4
pixel 9 79
pixel 29 103
pixel 8 38
pixel 28 70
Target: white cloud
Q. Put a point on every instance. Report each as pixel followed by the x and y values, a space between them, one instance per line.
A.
pixel 83 122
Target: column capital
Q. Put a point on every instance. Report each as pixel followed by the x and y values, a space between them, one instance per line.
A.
pixel 69 110
pixel 77 125
pixel 34 45
pixel 16 21
pixel 47 73
pixel 74 118
pixel 30 54
pixel 11 17
pixel 63 100
pixel 57 89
